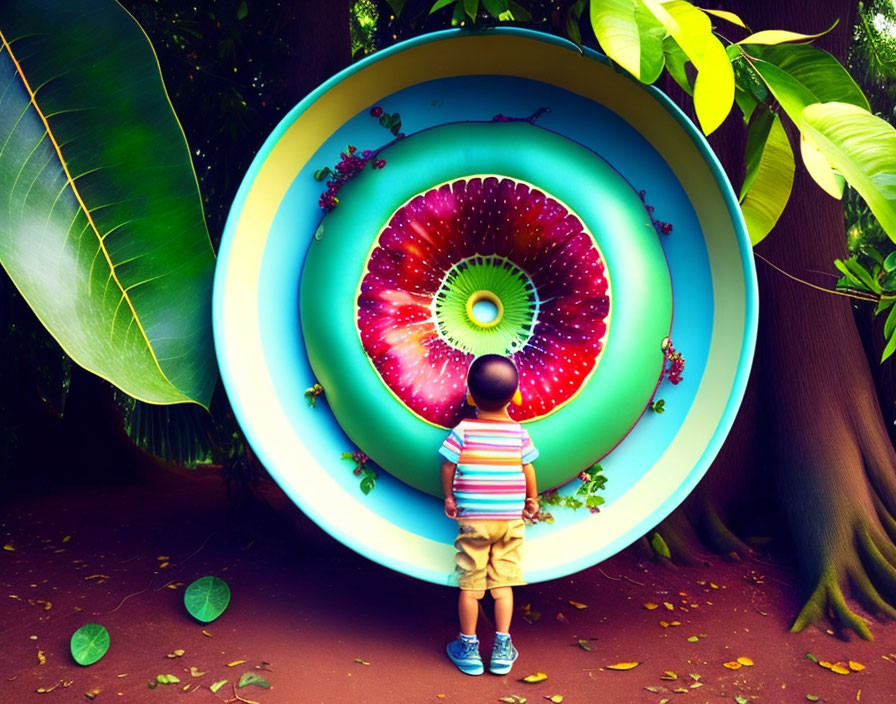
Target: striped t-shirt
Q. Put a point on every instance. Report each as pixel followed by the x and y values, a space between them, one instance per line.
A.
pixel 489 482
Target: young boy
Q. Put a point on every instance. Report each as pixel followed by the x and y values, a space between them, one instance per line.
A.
pixel 489 485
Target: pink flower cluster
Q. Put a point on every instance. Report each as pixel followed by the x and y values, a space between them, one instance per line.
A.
pixel 675 364
pixel 664 228
pixel 350 165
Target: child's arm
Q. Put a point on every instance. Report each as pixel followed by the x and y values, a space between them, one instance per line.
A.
pixel 532 505
pixel 448 469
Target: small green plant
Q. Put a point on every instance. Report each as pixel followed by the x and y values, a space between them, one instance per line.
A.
pixel 586 495
pixel 368 476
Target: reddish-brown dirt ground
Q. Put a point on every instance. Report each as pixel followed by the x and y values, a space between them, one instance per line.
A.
pixel 329 626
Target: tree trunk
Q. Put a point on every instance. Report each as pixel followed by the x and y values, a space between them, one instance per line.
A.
pixel 810 435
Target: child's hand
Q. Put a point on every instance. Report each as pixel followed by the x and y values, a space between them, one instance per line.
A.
pixel 532 508
pixel 450 507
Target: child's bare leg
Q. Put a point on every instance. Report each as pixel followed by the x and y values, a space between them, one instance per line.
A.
pixel 468 610
pixel 503 597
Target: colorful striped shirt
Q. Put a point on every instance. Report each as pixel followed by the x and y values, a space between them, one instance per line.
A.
pixel 489 482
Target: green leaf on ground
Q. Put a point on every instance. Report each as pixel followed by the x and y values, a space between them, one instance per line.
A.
pixel 659 545
pixel 251 678
pixel 207 598
pixel 217 685
pixel 89 643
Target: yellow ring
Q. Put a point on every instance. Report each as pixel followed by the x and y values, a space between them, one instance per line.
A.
pixel 484 295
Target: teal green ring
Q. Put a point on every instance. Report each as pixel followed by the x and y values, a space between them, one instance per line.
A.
pixel 610 402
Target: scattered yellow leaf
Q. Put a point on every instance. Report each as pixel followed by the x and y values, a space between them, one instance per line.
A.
pixel 217 685
pixel 164 564
pixel 669 675
pixel 9 547
pixel 177 653
pixel 194 671
pixel 733 665
pixel 162 558
pixel 583 644
pixel 825 664
pixel 41 658
pixel 555 698
pixel 840 670
pixel 235 663
pixel 561 618
pixel 650 606
pixel 856 666
pixel 206 633
pixel 713 585
pixel 97 576
pixel 664 624
pixel 533 679
pixel 669 606
pixel 745 661
pixel 578 604
pixel 623 665
pixel 440 696
pixel 66 538
pixel 91 693
pixel 361 662
pixel 675 623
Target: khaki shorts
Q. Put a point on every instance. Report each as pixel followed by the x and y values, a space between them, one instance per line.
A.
pixel 489 553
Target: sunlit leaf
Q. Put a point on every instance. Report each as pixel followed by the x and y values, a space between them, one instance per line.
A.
pixel 728 16
pixel 217 685
pixel 781 36
pixel 534 679
pixel 89 643
pixel 207 598
pixel 669 675
pixel 839 669
pixel 676 62
pixel 252 678
pixel 771 177
pixel 862 147
pixel 624 665
pixel 616 29
pixel 819 169
pixel 652 33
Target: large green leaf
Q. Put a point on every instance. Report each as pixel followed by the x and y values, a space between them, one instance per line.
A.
pixel 769 178
pixel 207 598
pixel 101 224
pixel 862 147
pixel 819 72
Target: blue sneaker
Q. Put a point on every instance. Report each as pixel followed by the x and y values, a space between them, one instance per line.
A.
pixel 503 656
pixel 466 656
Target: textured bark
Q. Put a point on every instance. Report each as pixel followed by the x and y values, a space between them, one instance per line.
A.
pixel 810 435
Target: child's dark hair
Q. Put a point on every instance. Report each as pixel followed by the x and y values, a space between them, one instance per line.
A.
pixel 492 381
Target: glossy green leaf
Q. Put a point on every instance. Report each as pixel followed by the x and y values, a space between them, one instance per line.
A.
pixel 471 7
pixel 207 598
pixel 890 323
pixel 496 8
pixel 651 33
pixel 772 178
pixel 89 643
pixel 819 72
pixel 889 349
pixel 659 545
pixel 616 29
pixel 676 63
pixel 819 168
pixel 101 222
pixel 757 137
pixel 890 262
pixel 439 4
pixel 862 147
pixel 780 36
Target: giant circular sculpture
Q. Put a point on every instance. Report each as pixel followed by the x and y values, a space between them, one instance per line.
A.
pixel 531 202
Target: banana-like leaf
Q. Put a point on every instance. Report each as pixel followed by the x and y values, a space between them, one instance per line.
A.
pixel 769 179
pixel 101 223
pixel 862 147
pixel 691 28
pixel 819 72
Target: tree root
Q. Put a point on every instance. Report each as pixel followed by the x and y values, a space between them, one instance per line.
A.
pixel 827 599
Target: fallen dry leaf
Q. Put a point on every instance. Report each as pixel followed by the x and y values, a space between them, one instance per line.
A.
pixel 555 698
pixel 206 633
pixel 812 697
pixel 217 685
pixel 9 547
pixel 746 662
pixel 513 699
pixel 534 679
pixel 561 618
pixel 650 606
pixel 361 662
pixel 733 665
pixel 41 658
pixel 91 693
pixel 669 675
pixel 624 665
pixel 235 663
pixel 177 653
pixel 839 669
pixel 583 644
pixel 669 606
pixel 856 666
pixel 825 664
pixel 195 672
pixel 578 604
